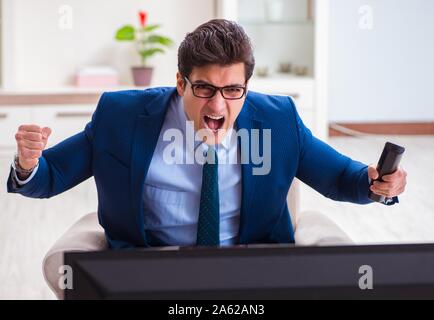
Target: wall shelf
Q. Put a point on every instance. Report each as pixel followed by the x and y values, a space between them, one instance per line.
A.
pixel 287 23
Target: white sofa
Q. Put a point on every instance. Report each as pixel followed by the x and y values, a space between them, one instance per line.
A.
pixel 311 228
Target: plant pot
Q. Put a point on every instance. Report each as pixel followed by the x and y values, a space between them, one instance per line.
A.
pixel 142 76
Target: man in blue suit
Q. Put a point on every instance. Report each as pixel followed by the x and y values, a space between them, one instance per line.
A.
pixel 227 185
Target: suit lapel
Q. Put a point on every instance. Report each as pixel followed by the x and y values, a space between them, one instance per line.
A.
pixel 146 133
pixel 248 119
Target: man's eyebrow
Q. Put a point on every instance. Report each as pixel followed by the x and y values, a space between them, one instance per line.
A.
pixel 207 83
pixel 201 82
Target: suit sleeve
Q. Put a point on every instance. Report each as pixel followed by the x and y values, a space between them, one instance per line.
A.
pixel 327 171
pixel 63 166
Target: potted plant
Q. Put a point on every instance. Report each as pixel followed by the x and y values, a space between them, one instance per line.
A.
pixel 147 42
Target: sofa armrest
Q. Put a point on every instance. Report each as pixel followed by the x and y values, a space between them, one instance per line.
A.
pixel 315 228
pixel 293 201
pixel 85 235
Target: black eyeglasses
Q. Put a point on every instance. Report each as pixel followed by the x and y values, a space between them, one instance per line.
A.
pixel 204 90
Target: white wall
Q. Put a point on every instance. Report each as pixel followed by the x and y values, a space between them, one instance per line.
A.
pixel 275 38
pixel 387 73
pixel 46 55
pixel 276 44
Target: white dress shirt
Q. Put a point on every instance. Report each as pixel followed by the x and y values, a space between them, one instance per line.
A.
pixel 172 191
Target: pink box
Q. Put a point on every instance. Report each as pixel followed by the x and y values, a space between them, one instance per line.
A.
pixel 97 77
pixel 96 81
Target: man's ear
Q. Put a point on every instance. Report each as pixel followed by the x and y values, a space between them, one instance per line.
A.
pixel 180 84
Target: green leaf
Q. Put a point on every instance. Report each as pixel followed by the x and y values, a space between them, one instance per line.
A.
pixel 150 52
pixel 164 41
pixel 151 27
pixel 126 33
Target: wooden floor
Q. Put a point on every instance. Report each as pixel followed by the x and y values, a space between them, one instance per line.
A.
pixel 29 227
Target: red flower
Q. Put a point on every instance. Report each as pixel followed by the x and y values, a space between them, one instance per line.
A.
pixel 142 16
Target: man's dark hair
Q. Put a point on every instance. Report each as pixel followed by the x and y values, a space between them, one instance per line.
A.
pixel 219 42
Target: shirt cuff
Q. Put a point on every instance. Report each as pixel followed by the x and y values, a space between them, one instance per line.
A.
pixel 391 201
pixel 23 182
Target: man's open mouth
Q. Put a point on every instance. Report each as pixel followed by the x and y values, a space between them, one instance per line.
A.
pixel 214 122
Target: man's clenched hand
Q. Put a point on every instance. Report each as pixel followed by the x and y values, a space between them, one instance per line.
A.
pixel 31 141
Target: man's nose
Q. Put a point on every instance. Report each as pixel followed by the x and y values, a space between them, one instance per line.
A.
pixel 217 103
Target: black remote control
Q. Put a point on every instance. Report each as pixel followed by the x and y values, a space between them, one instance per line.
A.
pixel 388 163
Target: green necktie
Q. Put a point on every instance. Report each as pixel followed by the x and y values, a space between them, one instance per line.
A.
pixel 208 228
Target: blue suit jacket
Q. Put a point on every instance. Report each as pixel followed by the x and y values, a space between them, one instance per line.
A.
pixel 116 147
